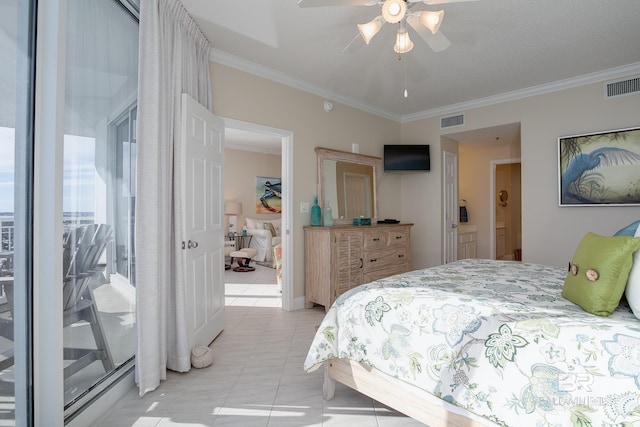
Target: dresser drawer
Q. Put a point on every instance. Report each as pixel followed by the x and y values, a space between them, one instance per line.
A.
pixel 375 240
pixel 381 274
pixel 384 258
pixel 342 257
pixel 397 238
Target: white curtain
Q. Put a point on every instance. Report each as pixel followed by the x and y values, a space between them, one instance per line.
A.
pixel 173 59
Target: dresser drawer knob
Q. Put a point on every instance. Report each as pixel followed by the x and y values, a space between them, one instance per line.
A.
pixel 376 239
pixel 398 237
pixel 401 256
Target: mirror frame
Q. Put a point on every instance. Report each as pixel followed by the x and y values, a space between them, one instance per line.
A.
pixel 345 156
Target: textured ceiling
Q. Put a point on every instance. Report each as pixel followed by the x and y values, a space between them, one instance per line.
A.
pixel 497 47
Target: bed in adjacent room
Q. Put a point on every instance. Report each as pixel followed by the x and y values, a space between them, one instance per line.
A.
pixel 485 342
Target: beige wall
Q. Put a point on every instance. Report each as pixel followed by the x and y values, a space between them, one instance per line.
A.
pixel 240 171
pixel 242 96
pixel 550 234
pixel 474 177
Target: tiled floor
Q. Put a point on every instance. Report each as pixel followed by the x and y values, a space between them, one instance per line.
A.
pixel 257 377
pixel 253 288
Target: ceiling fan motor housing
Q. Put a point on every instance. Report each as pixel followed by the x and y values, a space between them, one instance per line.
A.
pixel 394 10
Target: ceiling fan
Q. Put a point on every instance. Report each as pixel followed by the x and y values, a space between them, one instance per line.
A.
pixel 424 22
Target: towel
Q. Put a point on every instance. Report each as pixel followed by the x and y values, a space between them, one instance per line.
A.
pixel 463 214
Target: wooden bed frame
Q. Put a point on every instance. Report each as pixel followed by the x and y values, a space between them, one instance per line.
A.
pixel 401 396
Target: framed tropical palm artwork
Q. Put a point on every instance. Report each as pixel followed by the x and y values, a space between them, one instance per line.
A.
pixel 600 169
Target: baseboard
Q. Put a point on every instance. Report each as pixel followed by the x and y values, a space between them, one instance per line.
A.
pixel 298 303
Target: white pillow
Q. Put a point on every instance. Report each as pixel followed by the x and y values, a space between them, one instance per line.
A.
pixel 254 223
pixel 632 291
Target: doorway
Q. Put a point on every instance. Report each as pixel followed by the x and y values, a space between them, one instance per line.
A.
pixel 450 199
pixel 250 137
pixel 479 150
pixel 507 202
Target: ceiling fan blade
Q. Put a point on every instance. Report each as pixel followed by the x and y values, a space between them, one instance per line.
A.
pixel 321 3
pixel 438 42
pixel 436 2
pixel 354 45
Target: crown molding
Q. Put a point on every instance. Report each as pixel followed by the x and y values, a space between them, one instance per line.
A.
pixel 224 58
pixel 600 76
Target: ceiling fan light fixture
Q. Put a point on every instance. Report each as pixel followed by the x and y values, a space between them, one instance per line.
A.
pixel 370 29
pixel 432 20
pixel 403 42
pixel 394 10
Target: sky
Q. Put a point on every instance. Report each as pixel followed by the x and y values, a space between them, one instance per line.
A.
pixel 79 172
pixel 7 154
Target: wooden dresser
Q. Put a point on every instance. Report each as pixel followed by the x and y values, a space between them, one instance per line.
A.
pixel 344 256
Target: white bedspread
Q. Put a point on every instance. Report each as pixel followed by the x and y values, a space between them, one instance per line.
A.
pixel 495 338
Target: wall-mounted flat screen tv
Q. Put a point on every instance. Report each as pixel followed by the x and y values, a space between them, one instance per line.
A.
pixel 398 158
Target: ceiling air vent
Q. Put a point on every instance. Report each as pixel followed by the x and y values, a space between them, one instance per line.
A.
pixel 451 121
pixel 623 87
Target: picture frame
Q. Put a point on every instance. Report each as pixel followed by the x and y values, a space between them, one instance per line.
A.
pixel 268 194
pixel 599 169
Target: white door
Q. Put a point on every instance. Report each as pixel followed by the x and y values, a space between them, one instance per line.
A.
pixel 203 241
pixel 450 179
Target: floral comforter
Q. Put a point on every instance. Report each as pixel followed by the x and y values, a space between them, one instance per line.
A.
pixel 495 338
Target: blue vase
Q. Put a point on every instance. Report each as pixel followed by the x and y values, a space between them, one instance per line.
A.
pixel 316 214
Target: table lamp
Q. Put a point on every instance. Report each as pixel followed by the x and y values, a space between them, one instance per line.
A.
pixel 233 209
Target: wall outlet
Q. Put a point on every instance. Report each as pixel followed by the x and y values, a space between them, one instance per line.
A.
pixel 304 207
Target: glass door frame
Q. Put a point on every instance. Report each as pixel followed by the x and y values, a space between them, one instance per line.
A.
pixel 128 116
pixel 47 226
pixel 23 214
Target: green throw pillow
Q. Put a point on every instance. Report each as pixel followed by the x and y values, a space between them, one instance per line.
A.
pixel 599 271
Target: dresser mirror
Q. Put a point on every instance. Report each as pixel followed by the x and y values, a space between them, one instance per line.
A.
pixel 347 183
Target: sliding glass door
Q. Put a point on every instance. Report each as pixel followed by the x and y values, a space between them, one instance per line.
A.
pixel 123 190
pixel 99 169
pixel 17 34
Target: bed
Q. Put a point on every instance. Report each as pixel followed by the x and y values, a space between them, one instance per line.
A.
pixel 482 343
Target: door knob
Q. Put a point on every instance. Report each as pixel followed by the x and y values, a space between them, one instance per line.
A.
pixel 454 225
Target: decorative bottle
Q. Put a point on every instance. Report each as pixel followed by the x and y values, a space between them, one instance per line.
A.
pixel 316 214
pixel 328 216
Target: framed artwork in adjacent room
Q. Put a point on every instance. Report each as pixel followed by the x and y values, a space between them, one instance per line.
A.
pixel 599 169
pixel 268 195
